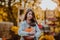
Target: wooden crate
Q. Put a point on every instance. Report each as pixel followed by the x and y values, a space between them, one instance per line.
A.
pixel 4 28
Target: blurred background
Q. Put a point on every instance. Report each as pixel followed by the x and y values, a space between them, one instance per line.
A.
pixel 12 13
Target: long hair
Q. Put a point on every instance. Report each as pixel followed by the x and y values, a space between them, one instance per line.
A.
pixel 33 20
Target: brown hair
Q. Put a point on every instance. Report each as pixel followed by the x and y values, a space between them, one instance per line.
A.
pixel 33 20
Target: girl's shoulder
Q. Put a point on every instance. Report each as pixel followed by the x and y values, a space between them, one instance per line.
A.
pixel 23 22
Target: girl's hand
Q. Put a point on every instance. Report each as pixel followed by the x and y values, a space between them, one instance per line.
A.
pixel 31 36
pixel 32 33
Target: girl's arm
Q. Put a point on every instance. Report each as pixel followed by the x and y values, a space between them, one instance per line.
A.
pixel 21 30
pixel 38 31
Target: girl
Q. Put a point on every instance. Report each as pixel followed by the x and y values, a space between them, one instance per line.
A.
pixel 28 28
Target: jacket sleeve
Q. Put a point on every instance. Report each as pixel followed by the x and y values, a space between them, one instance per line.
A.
pixel 38 31
pixel 21 31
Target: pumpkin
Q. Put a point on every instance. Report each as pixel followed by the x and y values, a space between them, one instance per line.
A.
pixel 14 29
pixel 47 37
pixel 3 38
pixel 29 29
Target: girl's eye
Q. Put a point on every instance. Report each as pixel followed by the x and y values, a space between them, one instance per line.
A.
pixel 30 14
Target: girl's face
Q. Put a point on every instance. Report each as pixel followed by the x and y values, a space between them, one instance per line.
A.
pixel 29 15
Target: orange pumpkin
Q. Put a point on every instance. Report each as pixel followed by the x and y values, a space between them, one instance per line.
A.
pixel 29 29
pixel 3 38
